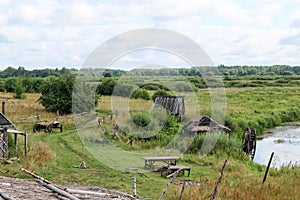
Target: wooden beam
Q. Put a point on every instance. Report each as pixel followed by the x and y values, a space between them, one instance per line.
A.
pixel 55 189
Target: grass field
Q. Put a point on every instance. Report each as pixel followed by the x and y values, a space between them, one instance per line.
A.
pixel 54 155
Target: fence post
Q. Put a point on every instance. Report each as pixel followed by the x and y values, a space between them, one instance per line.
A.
pixel 267 170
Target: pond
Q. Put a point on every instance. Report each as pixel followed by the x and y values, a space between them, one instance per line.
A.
pixel 284 141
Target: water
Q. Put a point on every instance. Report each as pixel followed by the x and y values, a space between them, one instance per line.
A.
pixel 284 141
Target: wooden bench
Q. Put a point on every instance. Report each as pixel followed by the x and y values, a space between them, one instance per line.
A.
pixel 150 161
pixel 169 171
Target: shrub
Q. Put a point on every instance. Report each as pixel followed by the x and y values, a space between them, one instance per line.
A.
pixel 141 94
pixel 141 118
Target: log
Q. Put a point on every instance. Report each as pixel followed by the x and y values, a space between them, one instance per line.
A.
pixel 100 194
pixel 218 183
pixel 55 189
pixel 168 185
pixel 39 177
pixel 4 196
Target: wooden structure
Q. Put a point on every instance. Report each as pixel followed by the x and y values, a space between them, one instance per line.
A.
pixel 249 142
pixel 202 124
pixel 47 126
pixel 150 161
pixel 169 171
pixel 7 127
pixel 173 104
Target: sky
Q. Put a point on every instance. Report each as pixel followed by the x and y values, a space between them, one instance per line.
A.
pixel 53 33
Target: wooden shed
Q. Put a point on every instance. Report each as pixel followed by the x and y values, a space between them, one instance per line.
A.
pixel 202 124
pixel 7 127
pixel 173 104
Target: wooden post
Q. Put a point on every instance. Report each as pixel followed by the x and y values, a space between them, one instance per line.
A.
pixel 182 190
pixel 25 143
pixel 218 183
pixel 267 170
pixel 134 185
pixel 16 141
pixel 5 139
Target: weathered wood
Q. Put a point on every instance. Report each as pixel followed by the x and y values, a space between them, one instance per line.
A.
pixel 168 185
pixel 218 183
pixel 134 186
pixel 100 194
pixel 173 104
pixel 16 141
pixel 4 196
pixel 25 142
pixel 182 190
pixel 267 170
pixel 39 177
pixel 55 189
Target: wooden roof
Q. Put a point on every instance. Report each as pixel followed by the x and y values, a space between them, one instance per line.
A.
pixel 202 123
pixel 5 122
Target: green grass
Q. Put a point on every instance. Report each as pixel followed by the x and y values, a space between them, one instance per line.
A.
pixel 54 155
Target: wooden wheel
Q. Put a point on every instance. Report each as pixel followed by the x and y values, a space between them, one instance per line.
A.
pixel 249 142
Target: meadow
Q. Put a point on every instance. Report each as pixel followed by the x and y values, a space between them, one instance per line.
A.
pixel 54 155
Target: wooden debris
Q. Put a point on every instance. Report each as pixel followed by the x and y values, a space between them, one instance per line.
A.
pixel 100 194
pixel 55 189
pixel 4 196
pixel 38 177
pixel 168 185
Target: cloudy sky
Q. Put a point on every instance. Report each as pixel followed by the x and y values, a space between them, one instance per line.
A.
pixel 53 33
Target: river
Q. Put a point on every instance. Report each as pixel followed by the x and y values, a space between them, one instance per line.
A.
pixel 284 141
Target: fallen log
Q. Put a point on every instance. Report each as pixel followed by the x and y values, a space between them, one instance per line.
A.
pixel 39 177
pixel 55 189
pixel 100 194
pixel 4 196
pixel 168 185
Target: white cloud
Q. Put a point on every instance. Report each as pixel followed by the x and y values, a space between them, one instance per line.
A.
pixel 60 33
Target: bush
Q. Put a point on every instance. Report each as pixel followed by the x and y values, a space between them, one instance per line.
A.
pixel 141 94
pixel 141 118
pixel 107 86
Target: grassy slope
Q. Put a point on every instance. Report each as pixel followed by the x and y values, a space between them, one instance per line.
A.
pixel 53 155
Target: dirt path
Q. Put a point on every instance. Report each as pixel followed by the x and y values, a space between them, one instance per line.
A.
pixel 21 189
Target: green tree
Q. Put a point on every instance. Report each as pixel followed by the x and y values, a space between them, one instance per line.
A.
pixel 107 86
pixel 19 90
pixel 57 94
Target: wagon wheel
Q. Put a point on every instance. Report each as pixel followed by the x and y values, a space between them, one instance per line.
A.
pixel 48 129
pixel 249 142
pixel 36 127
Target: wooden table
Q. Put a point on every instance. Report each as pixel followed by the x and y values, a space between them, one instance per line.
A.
pixel 149 161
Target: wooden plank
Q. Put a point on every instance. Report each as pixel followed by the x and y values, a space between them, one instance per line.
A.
pixel 5 196
pixel 55 189
pixel 100 194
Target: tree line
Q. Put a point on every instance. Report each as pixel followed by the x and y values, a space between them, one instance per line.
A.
pixel 22 72
pixel 223 70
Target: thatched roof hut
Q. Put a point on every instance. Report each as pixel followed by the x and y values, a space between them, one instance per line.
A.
pixel 202 123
